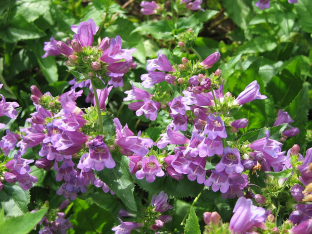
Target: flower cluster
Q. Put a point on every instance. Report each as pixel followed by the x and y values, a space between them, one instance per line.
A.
pixel 263 4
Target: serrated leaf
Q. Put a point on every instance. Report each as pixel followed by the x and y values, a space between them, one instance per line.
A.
pixel 304 12
pixel 258 44
pixel 22 224
pixel 48 64
pixel 281 174
pixel 14 200
pixel 119 181
pixel 33 9
pixel 192 226
pixel 79 76
pixel 90 218
pixel 19 29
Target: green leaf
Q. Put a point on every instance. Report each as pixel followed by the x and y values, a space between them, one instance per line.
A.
pixel 90 218
pixel 79 76
pixel 14 200
pixel 195 19
pixel 5 4
pixel 19 29
pixel 119 181
pixel 32 9
pixel 281 174
pixel 155 132
pixel 205 46
pixel 161 29
pixel 192 226
pixel 258 44
pixel 304 12
pixel 48 64
pixel 22 224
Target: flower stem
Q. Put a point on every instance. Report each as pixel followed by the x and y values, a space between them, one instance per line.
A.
pixel 195 200
pixel 98 107
pixel 215 101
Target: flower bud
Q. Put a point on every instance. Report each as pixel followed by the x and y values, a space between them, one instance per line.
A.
pixel 194 80
pixel 170 79
pixel 105 43
pixel 68 63
pixel 64 204
pixel 240 123
pixel 210 60
pixel 275 230
pixel 248 164
pixel 184 60
pixel 291 132
pixel 260 199
pixel 63 48
pixel 218 72
pixel 76 45
pixel 257 155
pixel 91 74
pixel 181 67
pixel 197 89
pixel 283 139
pixel 228 94
pixel 180 81
pixel 72 58
pixel 133 65
pixel 206 84
pixel 181 44
pixel 297 192
pixel 271 218
pixel 163 106
pixel 207 217
pixel 190 30
pixel 35 91
pixel 295 149
pixel 201 76
pixel 215 217
pixel 96 66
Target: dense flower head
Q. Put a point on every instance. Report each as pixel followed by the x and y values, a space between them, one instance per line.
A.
pixel 149 8
pixel 85 32
pixel 215 127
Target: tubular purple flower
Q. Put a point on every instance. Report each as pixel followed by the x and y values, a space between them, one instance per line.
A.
pixel 240 123
pixel 159 201
pixel 296 192
pixel 149 108
pixel 291 132
pixel 250 93
pixel 260 199
pixel 76 45
pixel 246 216
pixel 150 169
pixel 64 49
pixel 85 32
pixel 179 122
pixel 50 48
pixel 152 78
pixel 210 147
pixel 302 228
pixel 136 94
pixel 177 106
pixel 218 181
pixel 161 63
pixel 171 137
pixel 197 170
pixel 211 59
pixel 149 8
pixel 7 108
pixel 105 43
pixel 263 4
pixel 195 5
pixel 102 95
pixel 215 127
pixel 9 141
pixel 230 161
pixel 293 1
pixel 283 117
pixel 125 227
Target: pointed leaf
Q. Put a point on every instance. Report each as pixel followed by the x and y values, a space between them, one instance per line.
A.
pixel 192 226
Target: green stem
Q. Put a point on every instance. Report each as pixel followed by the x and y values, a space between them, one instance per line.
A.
pixel 215 101
pixel 98 107
pixel 195 200
pixel 173 17
pixel 197 54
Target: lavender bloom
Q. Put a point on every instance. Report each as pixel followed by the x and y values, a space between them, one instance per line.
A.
pixel 149 108
pixel 102 95
pixel 246 216
pixel 136 94
pixel 293 1
pixel 44 163
pixel 105 43
pixel 50 48
pixel 181 162
pixel 211 59
pixel 194 80
pixel 263 4
pixel 210 147
pixel 116 79
pixel 7 108
pixel 171 137
pixel 99 183
pixel 179 122
pixel 135 144
pixel 69 142
pixel 8 142
pixel 65 171
pixel 240 123
pixel 64 49
pixel 306 173
pixel 237 183
pixel 250 93
pixel 291 132
pixel 152 78
pixel 230 161
pixel 177 106
pixel 25 181
pixel 302 228
pixel 67 194
pixel 196 139
pixel 218 181
pixel 296 192
pixel 150 169
pixel 283 117
pixel 125 227
pixel 302 213
pixel 161 63
pixel 215 127
pixel 149 8
pixel 195 5
pixel 170 170
pixel 159 201
pixel 197 170
pixel 85 32
pixel 61 225
pixel 70 122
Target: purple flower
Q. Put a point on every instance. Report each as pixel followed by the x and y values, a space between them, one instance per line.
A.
pixel 125 227
pixel 195 5
pixel 50 48
pixel 296 192
pixel 149 8
pixel 218 181
pixel 136 94
pixel 211 59
pixel 8 142
pixel 102 95
pixel 283 117
pixel 7 108
pixel 85 32
pixel 230 161
pixel 263 4
pixel 70 122
pixel 149 108
pixel 25 180
pixel 152 78
pixel 240 123
pixel 210 147
pixel 215 127
pixel 65 171
pixel 161 63
pixel 194 80
pixel 197 170
pixel 179 122
pixel 171 137
pixel 99 183
pixel 177 106
pixel 150 169
pixel 251 92
pixel 291 132
pixel 64 49
pixel 69 142
pixel 303 228
pixel 105 44
pixel 293 1
pixel 159 201
pixel 44 163
pixel 246 216
pixel 237 183
pixel 116 79
pixel 302 213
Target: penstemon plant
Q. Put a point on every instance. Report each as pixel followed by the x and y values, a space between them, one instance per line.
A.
pixel 206 164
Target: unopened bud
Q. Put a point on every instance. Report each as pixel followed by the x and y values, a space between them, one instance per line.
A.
pixel 181 44
pixel 96 66
pixel 170 79
pixel 180 81
pixel 184 60
pixel 64 204
pixel 260 199
pixel 133 65
pixel 91 74
pixel 206 83
pixel 181 67
pixel 295 149
pixel 72 58
pixel 275 230
pixel 215 217
pixel 163 106
pixel 283 138
pixel 190 30
pixel 63 48
pixel 68 63
pixel 291 132
pixel 271 218
pixel 228 94
pixel 76 45
pixel 112 147
pixel 207 217
pixel 201 76
pixel 197 89
pixel 218 72
pixel 105 43
pixel 210 60
pixel 35 91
